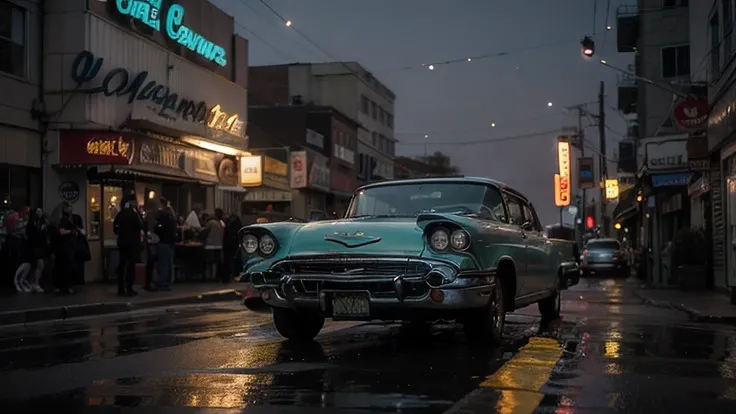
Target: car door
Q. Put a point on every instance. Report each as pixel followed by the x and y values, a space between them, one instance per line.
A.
pixel 538 250
pixel 519 253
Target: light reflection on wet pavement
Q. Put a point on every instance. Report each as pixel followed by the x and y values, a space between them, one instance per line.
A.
pixel 620 356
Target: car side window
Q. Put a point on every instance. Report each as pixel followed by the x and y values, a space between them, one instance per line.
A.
pixel 516 216
pixel 529 216
pixel 494 202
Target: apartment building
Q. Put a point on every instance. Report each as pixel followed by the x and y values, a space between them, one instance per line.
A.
pixel 345 86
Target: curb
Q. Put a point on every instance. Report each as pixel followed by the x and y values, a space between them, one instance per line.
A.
pixel 92 309
pixel 695 315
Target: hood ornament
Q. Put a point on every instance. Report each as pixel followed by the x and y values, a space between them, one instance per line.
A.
pixel 356 239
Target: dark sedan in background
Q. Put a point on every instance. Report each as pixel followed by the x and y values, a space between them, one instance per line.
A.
pixel 604 256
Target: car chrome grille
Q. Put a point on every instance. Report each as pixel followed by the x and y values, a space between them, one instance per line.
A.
pixel 349 267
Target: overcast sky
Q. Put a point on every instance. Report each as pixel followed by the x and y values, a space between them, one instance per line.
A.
pixel 539 62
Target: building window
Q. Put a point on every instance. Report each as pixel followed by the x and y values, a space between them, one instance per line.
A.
pixel 389 120
pixel 375 110
pixel 382 114
pixel 675 61
pixel 364 104
pixel 715 47
pixel 12 39
pixel 374 139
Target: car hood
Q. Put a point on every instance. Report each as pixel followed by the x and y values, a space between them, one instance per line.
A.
pixel 360 236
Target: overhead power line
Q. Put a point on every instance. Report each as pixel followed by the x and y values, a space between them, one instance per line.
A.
pixel 485 140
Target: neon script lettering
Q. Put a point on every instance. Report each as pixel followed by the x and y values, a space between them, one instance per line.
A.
pixel 149 12
pixel 191 39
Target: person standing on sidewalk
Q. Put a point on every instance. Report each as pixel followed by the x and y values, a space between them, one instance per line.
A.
pixel 63 247
pixel 128 226
pixel 38 247
pixel 166 227
pixel 215 235
pixel 152 240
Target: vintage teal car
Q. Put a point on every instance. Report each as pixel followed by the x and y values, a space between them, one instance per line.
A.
pixel 417 250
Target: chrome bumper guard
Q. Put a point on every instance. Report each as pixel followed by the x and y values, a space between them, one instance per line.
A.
pixel 457 290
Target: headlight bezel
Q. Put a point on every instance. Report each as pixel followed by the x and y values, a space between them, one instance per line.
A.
pixel 438 231
pixel 253 238
pixel 460 232
pixel 260 245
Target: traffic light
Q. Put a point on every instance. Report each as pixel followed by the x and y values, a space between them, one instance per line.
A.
pixel 589 222
pixel 588 46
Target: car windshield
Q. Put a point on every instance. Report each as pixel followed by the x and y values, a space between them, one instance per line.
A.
pixel 409 200
pixel 603 245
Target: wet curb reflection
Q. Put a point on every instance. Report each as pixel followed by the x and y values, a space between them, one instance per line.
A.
pixel 694 314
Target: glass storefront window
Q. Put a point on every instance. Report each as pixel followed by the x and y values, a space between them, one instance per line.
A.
pixel 94 212
pixel 113 199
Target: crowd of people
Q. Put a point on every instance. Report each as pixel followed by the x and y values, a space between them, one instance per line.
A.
pixel 34 243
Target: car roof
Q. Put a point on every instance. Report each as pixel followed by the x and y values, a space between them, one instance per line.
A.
pixel 450 179
pixel 602 240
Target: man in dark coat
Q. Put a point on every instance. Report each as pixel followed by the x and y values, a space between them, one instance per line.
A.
pixel 129 228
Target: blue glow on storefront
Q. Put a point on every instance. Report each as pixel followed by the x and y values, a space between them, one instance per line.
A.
pixel 149 13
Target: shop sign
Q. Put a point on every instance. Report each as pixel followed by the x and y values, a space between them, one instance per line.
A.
pixel 268 195
pixel 344 154
pixel 162 154
pixel 666 154
pixel 563 157
pixel 69 191
pixel 275 173
pixel 698 165
pixel 298 161
pixel 700 186
pixel 319 174
pixel 165 103
pixel 204 163
pixel 251 173
pixel 562 191
pixel 586 177
pixel 149 12
pixel 612 189
pixel 315 139
pixel 691 114
pixel 91 147
pixel 227 173
pixel 669 180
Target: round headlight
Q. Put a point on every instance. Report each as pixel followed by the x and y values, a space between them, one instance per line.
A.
pixel 460 240
pixel 250 243
pixel 440 240
pixel 267 245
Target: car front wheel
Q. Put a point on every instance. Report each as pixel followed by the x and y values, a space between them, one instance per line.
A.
pixel 549 307
pixel 299 326
pixel 485 325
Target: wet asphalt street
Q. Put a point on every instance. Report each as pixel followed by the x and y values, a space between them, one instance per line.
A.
pixel 617 356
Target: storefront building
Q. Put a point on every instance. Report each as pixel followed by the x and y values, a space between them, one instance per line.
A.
pixel 133 106
pixel 268 196
pixel 21 148
pixel 667 209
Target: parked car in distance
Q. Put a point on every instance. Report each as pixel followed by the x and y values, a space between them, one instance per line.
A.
pixel 604 256
pixel 416 250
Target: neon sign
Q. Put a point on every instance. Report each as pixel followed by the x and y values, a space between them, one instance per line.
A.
pixel 149 13
pixel 167 103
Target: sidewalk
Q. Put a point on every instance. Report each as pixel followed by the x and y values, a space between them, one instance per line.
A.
pixel 101 299
pixel 704 306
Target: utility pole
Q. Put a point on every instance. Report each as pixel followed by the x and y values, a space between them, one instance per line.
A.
pixel 603 161
pixel 584 203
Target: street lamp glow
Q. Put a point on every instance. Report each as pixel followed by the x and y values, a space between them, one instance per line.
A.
pixel 549 103
pixel 470 59
pixel 603 61
pixel 609 27
pixel 426 136
pixel 493 124
pixel 288 23
pixel 431 67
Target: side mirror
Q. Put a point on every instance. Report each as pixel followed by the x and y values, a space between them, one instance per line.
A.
pixel 527 226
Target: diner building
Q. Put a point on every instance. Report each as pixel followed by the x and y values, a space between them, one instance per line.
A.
pixel 147 96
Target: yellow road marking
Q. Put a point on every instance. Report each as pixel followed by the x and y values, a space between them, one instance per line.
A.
pixel 519 380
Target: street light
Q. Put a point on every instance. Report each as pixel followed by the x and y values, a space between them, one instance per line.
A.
pixel 617 226
pixel 288 23
pixel 588 46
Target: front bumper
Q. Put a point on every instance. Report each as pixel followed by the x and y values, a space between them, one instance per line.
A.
pixel 438 287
